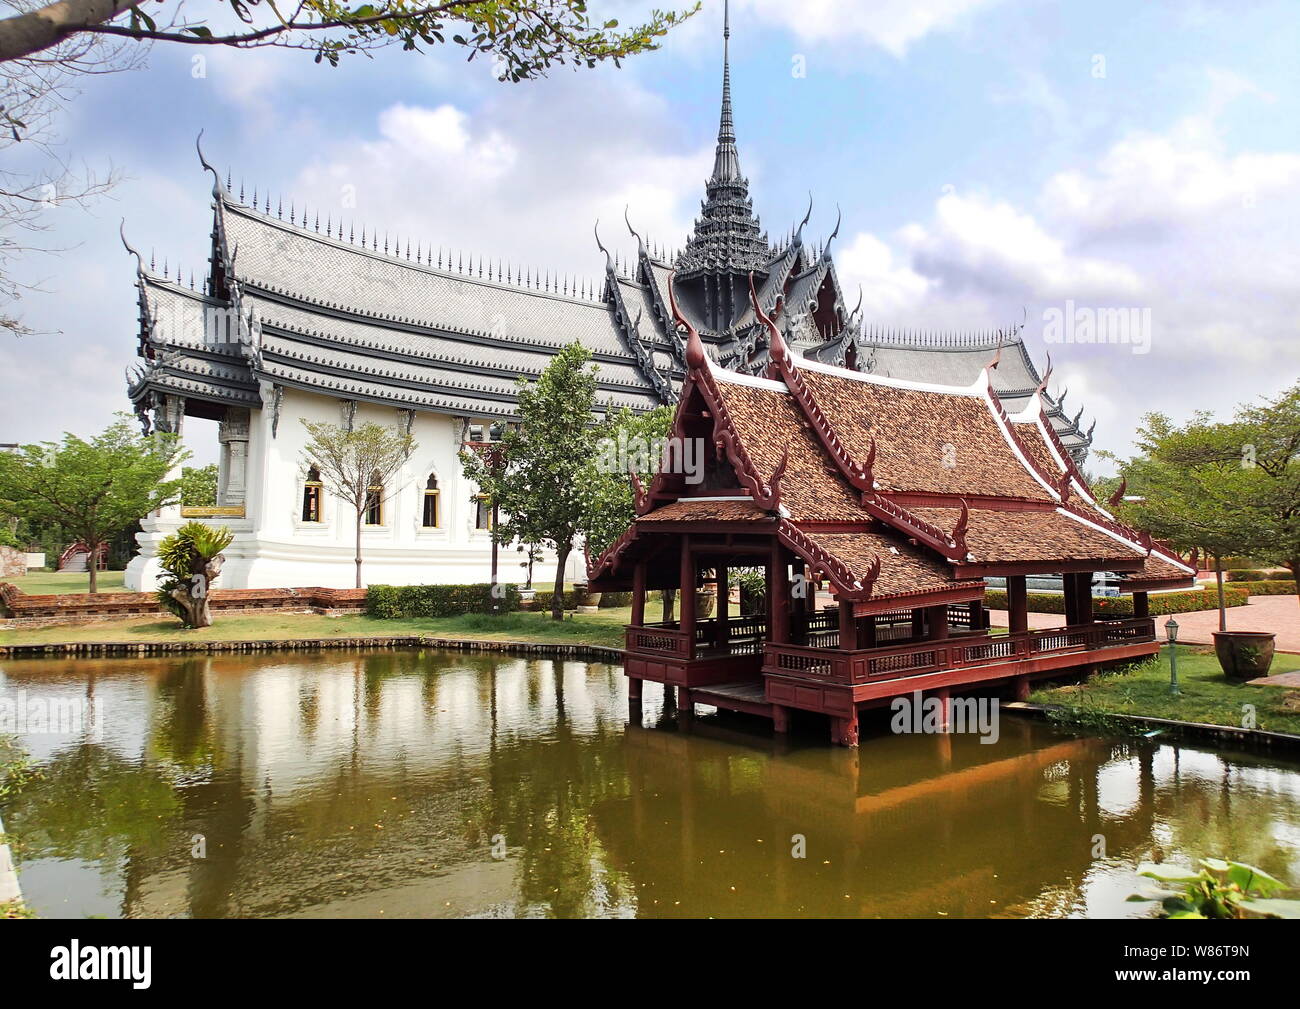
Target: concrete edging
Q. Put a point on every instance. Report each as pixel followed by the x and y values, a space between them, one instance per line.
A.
pixel 9 888
pixel 1251 738
pixel 97 649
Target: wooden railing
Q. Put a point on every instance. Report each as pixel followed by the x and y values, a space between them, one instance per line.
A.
pixel 915 658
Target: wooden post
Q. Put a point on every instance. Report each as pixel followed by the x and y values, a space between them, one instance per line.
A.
pixel 780 719
pixel 687 593
pixel 1141 605
pixel 868 635
pixel 1085 597
pixel 778 596
pixel 918 624
pixel 638 594
pixel 723 632
pixel 1022 688
pixel 848 626
pixel 1017 604
pixel 938 622
pixel 977 615
pixel 1070 585
pixel 634 685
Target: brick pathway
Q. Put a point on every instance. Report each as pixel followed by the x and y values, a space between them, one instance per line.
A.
pixel 1279 614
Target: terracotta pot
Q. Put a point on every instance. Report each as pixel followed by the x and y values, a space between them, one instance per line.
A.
pixel 1244 655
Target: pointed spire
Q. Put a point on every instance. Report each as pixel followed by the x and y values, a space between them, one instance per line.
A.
pixel 726 162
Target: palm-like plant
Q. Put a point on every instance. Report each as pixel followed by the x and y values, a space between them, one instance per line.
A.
pixel 192 558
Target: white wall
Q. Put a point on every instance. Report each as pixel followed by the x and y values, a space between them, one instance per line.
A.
pixel 274 548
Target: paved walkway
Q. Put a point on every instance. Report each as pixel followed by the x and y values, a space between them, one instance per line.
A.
pixel 1279 614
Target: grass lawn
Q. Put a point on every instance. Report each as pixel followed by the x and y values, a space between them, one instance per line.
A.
pixel 39 583
pixel 603 628
pixel 1207 696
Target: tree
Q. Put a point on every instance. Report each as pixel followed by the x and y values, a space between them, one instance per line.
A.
pixel 199 486
pixel 1190 488
pixel 46 47
pixel 37 180
pixel 192 558
pixel 525 37
pixel 1269 452
pixel 626 441
pixel 533 476
pixel 93 489
pixel 357 464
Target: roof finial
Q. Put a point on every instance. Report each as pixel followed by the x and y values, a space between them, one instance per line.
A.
pixel 695 356
pixel 139 263
pixel 216 178
pixel 776 347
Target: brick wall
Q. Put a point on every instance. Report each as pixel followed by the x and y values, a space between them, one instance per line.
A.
pixel 23 610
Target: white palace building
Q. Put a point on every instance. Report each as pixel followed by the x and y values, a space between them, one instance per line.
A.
pixel 303 319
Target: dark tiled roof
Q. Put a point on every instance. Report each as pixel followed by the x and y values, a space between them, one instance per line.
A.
pixel 926 441
pixel 1007 536
pixel 700 510
pixel 904 570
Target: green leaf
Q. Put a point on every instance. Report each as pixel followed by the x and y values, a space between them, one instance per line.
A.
pixel 1168 873
pixel 1271 908
pixel 1251 879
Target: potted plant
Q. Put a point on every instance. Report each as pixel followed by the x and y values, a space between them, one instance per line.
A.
pixel 1244 655
pixel 586 600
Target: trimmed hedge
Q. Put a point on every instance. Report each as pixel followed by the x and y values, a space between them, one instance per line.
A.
pixel 542 600
pixel 1159 603
pixel 1254 574
pixel 613 600
pixel 394 602
pixel 1269 587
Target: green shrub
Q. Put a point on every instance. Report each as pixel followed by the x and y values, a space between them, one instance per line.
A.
pixel 394 602
pixel 1159 603
pixel 613 600
pixel 1270 587
pixel 542 600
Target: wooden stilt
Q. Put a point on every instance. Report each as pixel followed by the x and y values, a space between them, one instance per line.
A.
pixel 1022 688
pixel 944 697
pixel 780 719
pixel 844 731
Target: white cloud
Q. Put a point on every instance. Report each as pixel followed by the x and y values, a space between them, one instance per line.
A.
pixel 502 182
pixel 891 25
pixel 976 241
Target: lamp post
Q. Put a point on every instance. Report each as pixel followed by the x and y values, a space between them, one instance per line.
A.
pixel 1171 632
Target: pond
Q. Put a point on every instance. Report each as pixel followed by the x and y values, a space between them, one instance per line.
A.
pixel 435 784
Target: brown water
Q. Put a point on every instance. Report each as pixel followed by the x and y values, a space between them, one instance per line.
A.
pixel 438 785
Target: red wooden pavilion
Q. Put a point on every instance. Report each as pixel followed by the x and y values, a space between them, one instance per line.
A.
pixel 899 497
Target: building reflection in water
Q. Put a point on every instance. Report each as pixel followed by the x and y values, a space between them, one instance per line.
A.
pixel 389 783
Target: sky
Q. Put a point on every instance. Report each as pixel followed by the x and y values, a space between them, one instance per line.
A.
pixel 996 161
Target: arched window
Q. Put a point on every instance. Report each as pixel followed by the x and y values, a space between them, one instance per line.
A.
pixel 312 493
pixel 482 512
pixel 375 501
pixel 432 518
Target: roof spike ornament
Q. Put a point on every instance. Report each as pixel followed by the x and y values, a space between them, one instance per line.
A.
pixel 1047 374
pixel 695 356
pixel 1118 496
pixel 959 530
pixel 776 347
